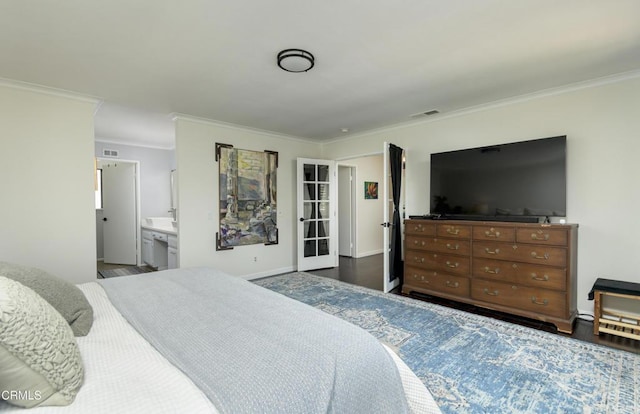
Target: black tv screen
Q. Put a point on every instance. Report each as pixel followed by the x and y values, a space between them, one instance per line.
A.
pixel 508 181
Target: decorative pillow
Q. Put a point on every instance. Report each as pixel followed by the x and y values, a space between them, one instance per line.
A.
pixel 65 297
pixel 39 358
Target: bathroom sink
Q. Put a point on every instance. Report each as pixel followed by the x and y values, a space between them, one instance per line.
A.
pixel 163 223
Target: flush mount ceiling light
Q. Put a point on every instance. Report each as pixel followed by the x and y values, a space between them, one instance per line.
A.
pixel 295 60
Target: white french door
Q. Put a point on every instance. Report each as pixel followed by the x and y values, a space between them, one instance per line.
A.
pixel 317 230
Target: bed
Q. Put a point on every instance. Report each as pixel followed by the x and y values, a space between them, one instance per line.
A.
pixel 197 340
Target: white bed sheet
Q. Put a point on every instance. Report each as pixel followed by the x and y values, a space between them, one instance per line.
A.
pixel 418 396
pixel 125 374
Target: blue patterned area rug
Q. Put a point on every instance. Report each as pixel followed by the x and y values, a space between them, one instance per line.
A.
pixel 474 364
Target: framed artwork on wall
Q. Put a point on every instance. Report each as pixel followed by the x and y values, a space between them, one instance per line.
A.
pixel 247 197
pixel 370 190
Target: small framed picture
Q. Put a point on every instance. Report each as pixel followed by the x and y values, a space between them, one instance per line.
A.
pixel 370 190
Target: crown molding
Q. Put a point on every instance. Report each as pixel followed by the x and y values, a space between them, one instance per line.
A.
pixel 46 90
pixel 136 144
pixel 237 127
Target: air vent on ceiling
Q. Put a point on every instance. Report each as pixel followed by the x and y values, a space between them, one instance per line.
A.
pixel 110 153
pixel 426 113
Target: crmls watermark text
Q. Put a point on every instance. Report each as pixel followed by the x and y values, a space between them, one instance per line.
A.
pixel 21 395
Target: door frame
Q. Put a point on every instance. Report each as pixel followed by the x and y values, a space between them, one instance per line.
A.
pixel 137 204
pixel 353 229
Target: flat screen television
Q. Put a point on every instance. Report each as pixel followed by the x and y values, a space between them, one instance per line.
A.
pixel 519 181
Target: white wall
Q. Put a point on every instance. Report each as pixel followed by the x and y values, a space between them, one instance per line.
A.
pixel 198 194
pixel 369 236
pixel 602 124
pixel 46 164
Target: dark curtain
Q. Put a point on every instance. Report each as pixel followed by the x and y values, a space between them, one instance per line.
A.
pixel 396 268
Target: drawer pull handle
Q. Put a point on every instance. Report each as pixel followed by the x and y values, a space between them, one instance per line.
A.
pixel 489 251
pixel 487 292
pixel 544 278
pixel 420 278
pixel 493 272
pixel 453 246
pixel 452 285
pixel 544 302
pixel 452 265
pixel 536 236
pixel 453 231
pixel 490 233
pixel 543 257
pixel 421 242
pixel 418 259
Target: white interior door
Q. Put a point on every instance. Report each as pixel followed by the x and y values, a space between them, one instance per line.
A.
pixel 316 197
pixel 119 212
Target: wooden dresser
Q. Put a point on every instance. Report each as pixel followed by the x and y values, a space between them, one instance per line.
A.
pixel 520 268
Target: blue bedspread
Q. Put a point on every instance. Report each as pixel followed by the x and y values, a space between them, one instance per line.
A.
pixel 252 350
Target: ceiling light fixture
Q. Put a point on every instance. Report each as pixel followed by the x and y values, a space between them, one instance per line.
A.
pixel 295 60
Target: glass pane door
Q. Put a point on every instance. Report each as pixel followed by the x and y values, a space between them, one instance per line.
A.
pixel 316 234
pixel 316 210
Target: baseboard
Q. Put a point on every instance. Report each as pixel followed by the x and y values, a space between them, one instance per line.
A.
pixel 371 253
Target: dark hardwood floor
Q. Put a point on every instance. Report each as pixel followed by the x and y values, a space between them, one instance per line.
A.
pixel 367 272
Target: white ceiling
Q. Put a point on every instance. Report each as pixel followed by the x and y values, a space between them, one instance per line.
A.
pixel 377 62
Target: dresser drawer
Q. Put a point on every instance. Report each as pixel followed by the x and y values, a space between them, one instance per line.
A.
pixel 502 234
pixel 536 254
pixel 433 280
pixel 553 237
pixel 454 230
pixel 547 302
pixel 453 246
pixel 459 265
pixel 420 228
pixel 554 278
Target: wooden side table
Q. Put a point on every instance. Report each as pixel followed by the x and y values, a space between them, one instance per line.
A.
pixel 610 321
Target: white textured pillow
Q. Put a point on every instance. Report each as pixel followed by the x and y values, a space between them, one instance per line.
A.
pixel 40 362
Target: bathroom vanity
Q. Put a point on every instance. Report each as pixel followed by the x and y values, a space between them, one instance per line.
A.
pixel 160 242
